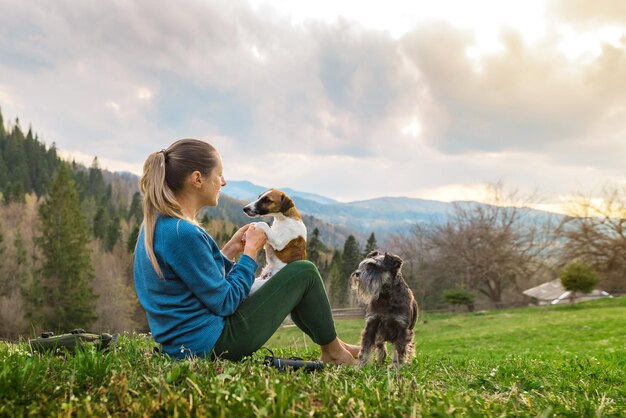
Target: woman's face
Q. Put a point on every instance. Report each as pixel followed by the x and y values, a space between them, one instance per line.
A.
pixel 214 182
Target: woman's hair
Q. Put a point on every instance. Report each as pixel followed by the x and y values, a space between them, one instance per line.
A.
pixel 164 173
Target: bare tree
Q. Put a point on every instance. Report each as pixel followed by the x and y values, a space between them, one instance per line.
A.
pixel 595 232
pixel 17 225
pixel 485 247
pixel 421 266
pixel 117 301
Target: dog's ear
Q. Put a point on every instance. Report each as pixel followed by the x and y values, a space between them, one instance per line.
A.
pixel 392 262
pixel 285 203
pixel 372 254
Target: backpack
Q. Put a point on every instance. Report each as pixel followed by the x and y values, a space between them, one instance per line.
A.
pixel 76 339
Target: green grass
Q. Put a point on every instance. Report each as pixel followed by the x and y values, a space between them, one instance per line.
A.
pixel 556 361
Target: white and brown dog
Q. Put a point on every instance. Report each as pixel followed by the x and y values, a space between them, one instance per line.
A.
pixel 286 238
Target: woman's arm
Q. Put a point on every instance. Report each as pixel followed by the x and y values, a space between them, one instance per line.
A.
pixel 248 240
pixel 236 244
pixel 195 261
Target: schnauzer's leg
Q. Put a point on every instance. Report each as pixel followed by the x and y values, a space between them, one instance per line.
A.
pixel 410 347
pixel 404 347
pixel 368 337
pixel 381 350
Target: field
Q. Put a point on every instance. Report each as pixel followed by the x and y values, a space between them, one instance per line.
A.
pixel 555 361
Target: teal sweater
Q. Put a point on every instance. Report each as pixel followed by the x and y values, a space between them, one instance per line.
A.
pixel 186 309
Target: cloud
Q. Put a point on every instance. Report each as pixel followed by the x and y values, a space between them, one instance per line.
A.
pixel 329 106
pixel 597 12
pixel 522 98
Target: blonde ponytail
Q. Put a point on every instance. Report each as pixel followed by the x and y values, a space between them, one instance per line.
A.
pixel 164 172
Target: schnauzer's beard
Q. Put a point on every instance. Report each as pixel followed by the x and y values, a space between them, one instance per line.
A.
pixel 368 284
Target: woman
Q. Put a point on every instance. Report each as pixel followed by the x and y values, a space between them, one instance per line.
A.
pixel 195 295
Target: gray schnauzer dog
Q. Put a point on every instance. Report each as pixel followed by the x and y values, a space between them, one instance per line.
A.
pixel 391 307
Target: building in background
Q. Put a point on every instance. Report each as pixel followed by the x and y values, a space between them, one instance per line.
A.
pixel 553 293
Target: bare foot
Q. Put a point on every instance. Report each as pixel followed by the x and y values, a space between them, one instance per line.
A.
pixel 336 353
pixel 353 349
pixel 343 358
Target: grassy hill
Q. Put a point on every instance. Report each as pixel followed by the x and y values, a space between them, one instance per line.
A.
pixel 556 361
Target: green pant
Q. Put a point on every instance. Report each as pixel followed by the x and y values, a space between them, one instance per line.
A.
pixel 298 290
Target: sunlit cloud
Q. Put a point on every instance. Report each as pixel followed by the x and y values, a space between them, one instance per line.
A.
pixel 113 106
pixel 144 94
pixel 413 128
pixel 457 192
pixel 588 45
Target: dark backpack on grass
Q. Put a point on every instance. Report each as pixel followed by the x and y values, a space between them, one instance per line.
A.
pixel 74 340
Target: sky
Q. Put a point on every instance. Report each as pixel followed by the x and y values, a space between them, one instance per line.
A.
pixel 346 99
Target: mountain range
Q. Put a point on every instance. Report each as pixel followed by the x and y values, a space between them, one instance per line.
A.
pixel 337 220
pixel 382 215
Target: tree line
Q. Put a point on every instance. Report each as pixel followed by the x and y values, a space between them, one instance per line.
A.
pixel 492 252
pixel 64 235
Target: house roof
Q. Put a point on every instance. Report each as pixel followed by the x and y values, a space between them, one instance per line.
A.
pixel 555 292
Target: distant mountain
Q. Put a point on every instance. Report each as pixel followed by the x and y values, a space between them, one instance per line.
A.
pixel 242 190
pixel 383 216
pixel 247 191
pixel 309 196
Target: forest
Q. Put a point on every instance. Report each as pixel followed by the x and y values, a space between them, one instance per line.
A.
pixel 68 232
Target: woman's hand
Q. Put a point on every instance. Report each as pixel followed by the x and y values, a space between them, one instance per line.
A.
pixel 254 239
pixel 236 244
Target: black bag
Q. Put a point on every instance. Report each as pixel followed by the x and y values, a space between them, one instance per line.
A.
pixel 293 363
pixel 74 340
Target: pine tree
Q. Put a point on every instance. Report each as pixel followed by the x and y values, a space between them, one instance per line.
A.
pixel 2 131
pixel 135 210
pixel 371 244
pixel 67 273
pixel 338 285
pixel 351 256
pixel 96 185
pixel 100 223
pixel 4 172
pixel 113 233
pixel 18 181
pixel 314 248
pixel 350 261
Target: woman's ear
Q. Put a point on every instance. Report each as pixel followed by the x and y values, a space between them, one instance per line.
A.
pixel 196 179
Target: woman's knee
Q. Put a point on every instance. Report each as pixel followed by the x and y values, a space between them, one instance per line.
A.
pixel 306 268
pixel 304 265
